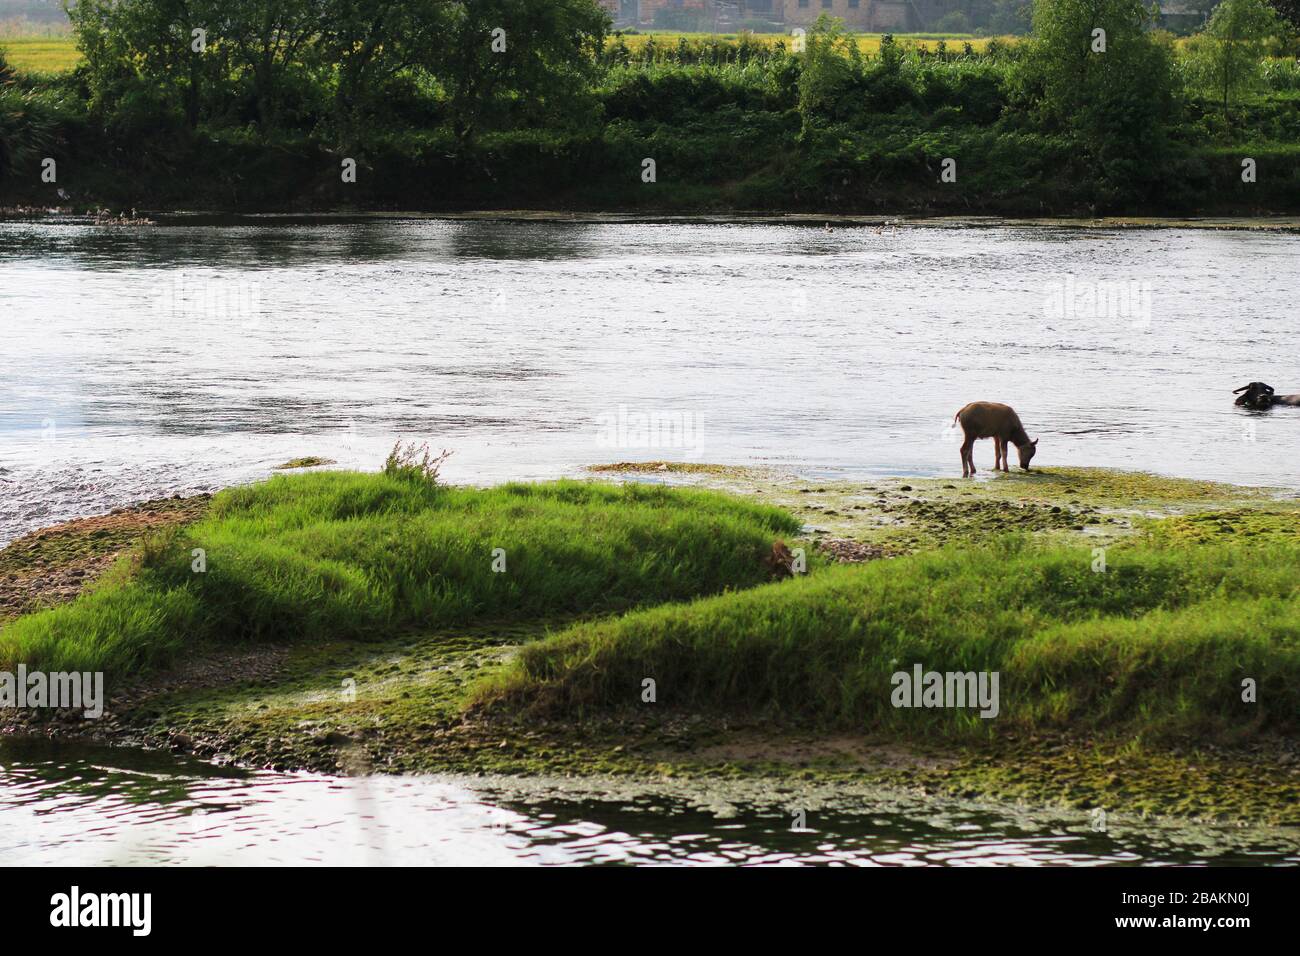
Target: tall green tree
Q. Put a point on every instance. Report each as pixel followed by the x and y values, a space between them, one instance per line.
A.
pixel 1227 57
pixel 371 41
pixel 143 47
pixel 1095 71
pixel 1288 10
pixel 827 72
pixel 507 62
pixel 269 40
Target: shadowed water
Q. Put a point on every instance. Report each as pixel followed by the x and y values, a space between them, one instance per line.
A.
pixel 77 805
pixel 141 362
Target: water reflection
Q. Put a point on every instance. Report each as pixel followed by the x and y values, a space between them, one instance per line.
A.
pixel 277 242
pixel 78 805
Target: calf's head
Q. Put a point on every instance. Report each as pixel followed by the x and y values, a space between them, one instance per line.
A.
pixel 1027 453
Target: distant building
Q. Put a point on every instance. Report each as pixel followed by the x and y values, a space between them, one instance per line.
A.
pixel 1187 16
pixel 870 16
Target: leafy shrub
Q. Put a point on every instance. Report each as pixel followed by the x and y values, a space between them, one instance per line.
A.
pixel 28 127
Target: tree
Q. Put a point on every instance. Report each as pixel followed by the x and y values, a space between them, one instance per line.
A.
pixel 268 40
pixel 1095 71
pixel 371 41
pixel 492 62
pixel 27 129
pixel 954 21
pixel 518 61
pixel 827 70
pixel 134 47
pixel 1227 57
pixel 1288 10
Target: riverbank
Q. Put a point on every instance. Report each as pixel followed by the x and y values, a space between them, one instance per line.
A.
pixel 584 217
pixel 431 701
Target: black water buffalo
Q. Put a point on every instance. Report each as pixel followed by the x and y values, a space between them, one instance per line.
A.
pixel 1258 395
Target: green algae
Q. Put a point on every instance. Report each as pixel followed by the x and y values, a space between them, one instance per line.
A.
pixel 1131 488
pixel 674 467
pixel 310 461
pixel 1262 525
pixel 52 566
pixel 68 544
pixel 903 515
pixel 408 716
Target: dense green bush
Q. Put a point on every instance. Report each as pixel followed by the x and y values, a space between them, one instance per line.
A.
pixel 31 123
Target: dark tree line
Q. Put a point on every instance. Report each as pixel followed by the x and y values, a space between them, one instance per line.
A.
pixel 335 64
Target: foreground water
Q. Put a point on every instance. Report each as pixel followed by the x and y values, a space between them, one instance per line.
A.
pixel 142 362
pixel 77 805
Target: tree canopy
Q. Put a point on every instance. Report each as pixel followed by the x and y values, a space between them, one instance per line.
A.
pixel 1227 58
pixel 333 62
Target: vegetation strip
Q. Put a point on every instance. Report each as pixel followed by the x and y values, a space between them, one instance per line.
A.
pixel 430 106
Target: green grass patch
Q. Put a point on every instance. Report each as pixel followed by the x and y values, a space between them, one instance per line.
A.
pixel 1159 643
pixel 344 555
pixel 41 54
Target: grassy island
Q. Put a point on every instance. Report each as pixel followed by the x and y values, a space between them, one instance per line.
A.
pixel 353 622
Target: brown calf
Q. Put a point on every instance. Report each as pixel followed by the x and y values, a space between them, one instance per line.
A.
pixel 999 422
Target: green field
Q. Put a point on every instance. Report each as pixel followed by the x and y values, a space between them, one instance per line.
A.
pixel 41 54
pixel 60 54
pixel 866 42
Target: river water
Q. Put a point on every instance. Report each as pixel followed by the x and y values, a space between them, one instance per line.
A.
pixel 187 356
pixel 86 806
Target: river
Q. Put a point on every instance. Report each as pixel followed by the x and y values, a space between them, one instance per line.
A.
pixel 149 361
pixel 77 805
